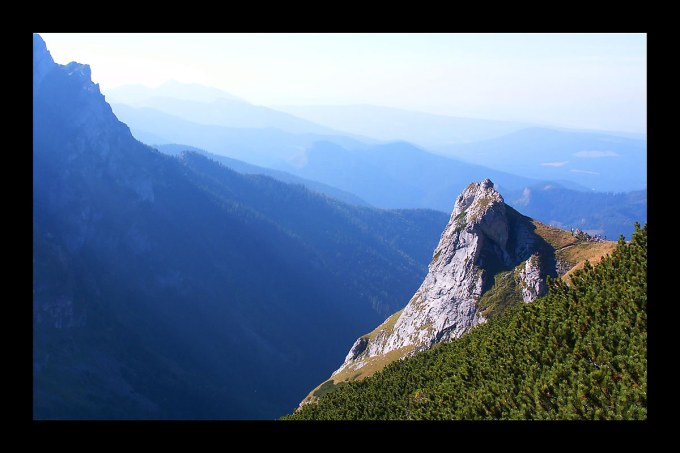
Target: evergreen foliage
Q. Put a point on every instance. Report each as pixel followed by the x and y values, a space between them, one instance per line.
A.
pixel 578 353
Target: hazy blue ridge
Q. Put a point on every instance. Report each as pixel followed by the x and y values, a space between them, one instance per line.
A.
pixel 174 288
pixel 246 168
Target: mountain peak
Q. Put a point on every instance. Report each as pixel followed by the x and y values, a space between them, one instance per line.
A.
pixel 79 71
pixel 39 45
pixel 488 257
pixel 68 104
pixel 473 247
pixel 475 200
pixel 42 60
pixel 479 209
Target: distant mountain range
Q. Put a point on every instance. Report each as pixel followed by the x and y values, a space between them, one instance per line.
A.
pixel 395 175
pixel 400 175
pixel 135 93
pixel 174 288
pixel 269 147
pixel 595 161
pixel 576 159
pixel 194 103
pixel 388 181
pixel 606 214
pixel 249 169
pixel 390 124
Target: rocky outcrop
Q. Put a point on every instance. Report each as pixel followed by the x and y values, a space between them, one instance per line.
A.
pixel 74 126
pixel 532 280
pixel 483 238
pixel 84 112
pixel 42 61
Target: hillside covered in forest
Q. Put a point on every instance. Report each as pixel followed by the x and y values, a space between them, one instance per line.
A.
pixel 580 352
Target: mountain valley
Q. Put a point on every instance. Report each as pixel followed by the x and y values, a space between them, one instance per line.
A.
pixel 198 255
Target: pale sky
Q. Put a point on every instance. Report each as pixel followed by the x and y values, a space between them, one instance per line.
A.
pixel 593 81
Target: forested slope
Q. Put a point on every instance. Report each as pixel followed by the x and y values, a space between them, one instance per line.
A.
pixel 578 353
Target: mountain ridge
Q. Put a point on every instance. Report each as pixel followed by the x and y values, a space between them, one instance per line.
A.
pixel 170 288
pixel 594 160
pixel 390 123
pixel 420 179
pixel 266 146
pixel 246 168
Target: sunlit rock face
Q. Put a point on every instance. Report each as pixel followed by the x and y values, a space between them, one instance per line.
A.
pixel 483 236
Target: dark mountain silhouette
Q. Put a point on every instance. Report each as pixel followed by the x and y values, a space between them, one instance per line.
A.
pixel 173 287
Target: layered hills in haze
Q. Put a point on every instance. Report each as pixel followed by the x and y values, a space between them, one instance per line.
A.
pixel 518 158
pixel 174 287
pixel 599 213
pixel 389 124
pixel 205 105
pixel 594 160
pixel 249 169
pixel 268 146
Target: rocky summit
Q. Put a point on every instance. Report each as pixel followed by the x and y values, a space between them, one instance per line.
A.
pixel 488 257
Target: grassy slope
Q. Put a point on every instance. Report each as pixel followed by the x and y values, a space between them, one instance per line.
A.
pixel 591 252
pixel 578 353
pixel 572 250
pixel 370 367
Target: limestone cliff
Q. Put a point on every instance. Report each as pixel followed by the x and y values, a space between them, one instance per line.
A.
pixel 488 257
